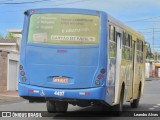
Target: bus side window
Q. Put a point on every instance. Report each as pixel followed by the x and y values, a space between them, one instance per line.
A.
pixel 130 39
pixel 123 45
pixel 127 40
pixel 127 46
pixel 112 44
pixel 124 38
pixel 142 51
pixel 111 33
pixel 139 51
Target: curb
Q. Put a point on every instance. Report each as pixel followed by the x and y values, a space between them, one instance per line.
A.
pixel 150 79
pixel 9 96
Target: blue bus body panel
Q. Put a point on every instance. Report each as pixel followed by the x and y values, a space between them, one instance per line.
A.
pixel 87 94
pixel 81 64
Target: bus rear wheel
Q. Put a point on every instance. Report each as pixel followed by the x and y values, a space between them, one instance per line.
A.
pixel 56 106
pixel 51 108
pixel 119 108
pixel 135 102
pixel 61 106
pixel 120 105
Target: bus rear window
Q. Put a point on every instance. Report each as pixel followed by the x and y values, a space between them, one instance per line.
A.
pixel 64 29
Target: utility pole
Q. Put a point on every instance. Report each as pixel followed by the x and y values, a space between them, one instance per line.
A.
pixel 153 46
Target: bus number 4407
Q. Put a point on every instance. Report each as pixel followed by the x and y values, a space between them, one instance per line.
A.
pixel 59 93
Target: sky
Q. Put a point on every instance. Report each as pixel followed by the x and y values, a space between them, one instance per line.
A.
pixel 141 15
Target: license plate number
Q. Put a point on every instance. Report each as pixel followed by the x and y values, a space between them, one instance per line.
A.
pixel 60 80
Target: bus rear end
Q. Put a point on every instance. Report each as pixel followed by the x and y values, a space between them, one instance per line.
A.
pixel 62 58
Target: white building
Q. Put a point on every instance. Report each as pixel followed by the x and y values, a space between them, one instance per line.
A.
pixel 9 61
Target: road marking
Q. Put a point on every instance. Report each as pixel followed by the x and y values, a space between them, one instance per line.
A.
pixel 158 104
pixel 151 108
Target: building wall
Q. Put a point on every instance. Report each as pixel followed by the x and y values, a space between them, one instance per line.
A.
pixel 12 71
pixel 147 70
pixel 3 71
pixel 17 33
pixel 8 47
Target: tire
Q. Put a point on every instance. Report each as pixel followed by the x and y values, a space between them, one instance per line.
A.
pixel 119 108
pixel 61 106
pixel 51 108
pixel 135 102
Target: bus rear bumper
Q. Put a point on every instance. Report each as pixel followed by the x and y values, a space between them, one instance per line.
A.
pixel 97 93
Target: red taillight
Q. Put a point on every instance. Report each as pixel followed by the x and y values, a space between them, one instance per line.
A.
pixel 21 67
pixel 100 77
pixel 61 51
pixel 22 73
pixel 30 90
pixel 33 11
pixel 87 93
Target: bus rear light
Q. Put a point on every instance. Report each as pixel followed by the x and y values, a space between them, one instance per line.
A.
pixel 24 79
pixel 97 82
pixel 103 71
pixel 100 77
pixel 61 51
pixel 21 67
pixel 30 90
pixel 33 11
pixel 22 73
pixel 87 93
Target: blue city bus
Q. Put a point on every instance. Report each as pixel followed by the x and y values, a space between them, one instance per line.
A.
pixel 80 57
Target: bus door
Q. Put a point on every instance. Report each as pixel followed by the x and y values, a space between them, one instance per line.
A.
pixel 115 51
pixel 118 62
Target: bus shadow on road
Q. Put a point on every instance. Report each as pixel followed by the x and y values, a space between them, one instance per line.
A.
pixel 96 112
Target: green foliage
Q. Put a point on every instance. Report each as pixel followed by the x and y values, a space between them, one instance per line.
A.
pixel 9 36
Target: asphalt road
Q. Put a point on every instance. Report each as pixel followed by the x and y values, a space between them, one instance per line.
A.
pixel 149 102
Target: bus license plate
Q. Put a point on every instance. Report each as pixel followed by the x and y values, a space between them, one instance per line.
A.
pixel 60 79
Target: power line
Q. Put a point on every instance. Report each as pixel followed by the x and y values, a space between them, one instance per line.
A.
pixel 73 2
pixel 6 3
pixel 151 32
pixel 147 33
pixel 148 28
pixel 9 3
pixel 143 19
pixel 5 0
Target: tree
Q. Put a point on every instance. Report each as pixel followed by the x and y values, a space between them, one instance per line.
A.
pixel 9 35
